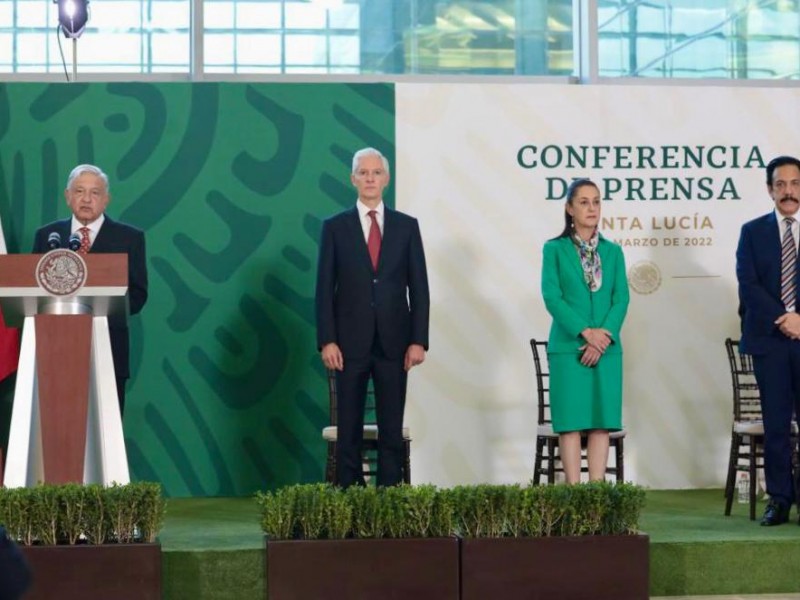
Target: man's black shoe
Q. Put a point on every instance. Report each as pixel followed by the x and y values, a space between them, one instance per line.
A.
pixel 775 514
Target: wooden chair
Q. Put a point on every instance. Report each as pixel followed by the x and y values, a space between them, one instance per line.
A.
pixel 548 461
pixel 747 430
pixel 369 449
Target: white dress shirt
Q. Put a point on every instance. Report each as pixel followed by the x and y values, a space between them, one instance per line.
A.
pixel 366 220
pixel 94 227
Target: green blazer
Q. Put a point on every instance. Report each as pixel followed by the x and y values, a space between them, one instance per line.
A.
pixel 571 304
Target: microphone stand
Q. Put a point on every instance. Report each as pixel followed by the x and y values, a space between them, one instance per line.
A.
pixel 74 59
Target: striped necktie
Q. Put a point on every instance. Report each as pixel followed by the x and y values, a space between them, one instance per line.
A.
pixel 788 267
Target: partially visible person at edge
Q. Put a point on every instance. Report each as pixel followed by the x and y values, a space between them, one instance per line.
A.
pixel 87 195
pixel 15 575
pixel 766 268
pixel 585 290
pixel 372 308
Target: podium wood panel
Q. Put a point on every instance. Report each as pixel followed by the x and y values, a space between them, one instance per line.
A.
pixel 19 270
pixel 63 354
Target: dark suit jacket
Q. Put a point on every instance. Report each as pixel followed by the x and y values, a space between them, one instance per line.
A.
pixel 113 237
pixel 15 575
pixel 353 301
pixel 758 269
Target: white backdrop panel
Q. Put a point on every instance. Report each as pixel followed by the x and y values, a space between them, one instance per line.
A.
pixel 485 198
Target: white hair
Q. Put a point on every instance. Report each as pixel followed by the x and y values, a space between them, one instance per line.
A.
pixel 369 152
pixel 81 169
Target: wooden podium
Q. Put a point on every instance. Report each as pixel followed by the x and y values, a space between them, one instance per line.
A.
pixel 65 424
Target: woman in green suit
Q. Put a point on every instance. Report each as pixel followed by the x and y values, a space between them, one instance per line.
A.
pixel 585 290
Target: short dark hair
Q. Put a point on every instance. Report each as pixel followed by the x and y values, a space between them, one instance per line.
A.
pixel 572 190
pixel 780 161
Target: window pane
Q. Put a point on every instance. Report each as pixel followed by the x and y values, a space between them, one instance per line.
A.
pixel 258 50
pixel 305 50
pixel 168 49
pixel 218 49
pixel 344 49
pixel 344 17
pixel 257 15
pixel 35 14
pixel 218 13
pixel 302 15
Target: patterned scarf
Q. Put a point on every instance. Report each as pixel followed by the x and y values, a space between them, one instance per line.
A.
pixel 590 260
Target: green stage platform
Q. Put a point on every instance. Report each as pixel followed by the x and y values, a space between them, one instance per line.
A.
pixel 213 548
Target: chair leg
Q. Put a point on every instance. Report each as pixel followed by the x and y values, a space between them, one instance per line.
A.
pixel 620 458
pixel 537 461
pixel 330 465
pixel 552 444
pixel 730 481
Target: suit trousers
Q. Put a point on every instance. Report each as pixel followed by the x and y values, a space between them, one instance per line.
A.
pixel 389 380
pixel 778 376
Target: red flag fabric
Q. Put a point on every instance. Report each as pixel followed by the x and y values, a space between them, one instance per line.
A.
pixel 9 336
pixel 9 348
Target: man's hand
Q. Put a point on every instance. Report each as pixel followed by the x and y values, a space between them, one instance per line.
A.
pixel 332 356
pixel 789 324
pixel 415 355
pixel 591 355
pixel 599 339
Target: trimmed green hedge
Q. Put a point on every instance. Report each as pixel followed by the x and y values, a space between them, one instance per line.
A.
pixel 321 511
pixel 74 513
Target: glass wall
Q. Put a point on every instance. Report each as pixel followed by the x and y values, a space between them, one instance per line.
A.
pixel 734 39
pixel 737 39
pixel 296 36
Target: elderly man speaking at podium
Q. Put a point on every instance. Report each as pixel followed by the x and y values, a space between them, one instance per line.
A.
pixel 87 195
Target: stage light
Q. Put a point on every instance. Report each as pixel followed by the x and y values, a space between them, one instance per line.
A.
pixel 72 16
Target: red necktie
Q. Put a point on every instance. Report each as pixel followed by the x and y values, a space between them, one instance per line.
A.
pixel 85 241
pixel 374 240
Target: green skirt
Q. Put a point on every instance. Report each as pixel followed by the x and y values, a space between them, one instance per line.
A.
pixel 585 397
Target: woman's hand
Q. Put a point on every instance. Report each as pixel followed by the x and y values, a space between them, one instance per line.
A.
pixel 598 338
pixel 591 355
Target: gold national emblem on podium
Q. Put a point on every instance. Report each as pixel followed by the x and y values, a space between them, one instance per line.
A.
pixel 61 272
pixel 644 277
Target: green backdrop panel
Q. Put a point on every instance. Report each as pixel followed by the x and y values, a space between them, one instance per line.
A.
pixel 231 183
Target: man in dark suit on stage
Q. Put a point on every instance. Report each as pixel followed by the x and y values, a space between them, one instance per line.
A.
pixel 767 270
pixel 372 308
pixel 87 195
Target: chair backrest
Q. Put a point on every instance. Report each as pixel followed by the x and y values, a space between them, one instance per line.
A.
pixel 746 397
pixel 542 370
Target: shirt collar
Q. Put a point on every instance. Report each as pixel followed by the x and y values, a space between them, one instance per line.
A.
pixel 363 209
pixel 94 226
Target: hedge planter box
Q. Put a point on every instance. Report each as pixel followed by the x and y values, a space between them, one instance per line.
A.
pixel 118 571
pixel 567 568
pixel 363 568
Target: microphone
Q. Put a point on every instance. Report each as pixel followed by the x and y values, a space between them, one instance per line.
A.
pixel 74 242
pixel 54 241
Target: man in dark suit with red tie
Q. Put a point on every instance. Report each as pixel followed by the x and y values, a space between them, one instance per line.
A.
pixel 87 195
pixel 767 270
pixel 372 307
